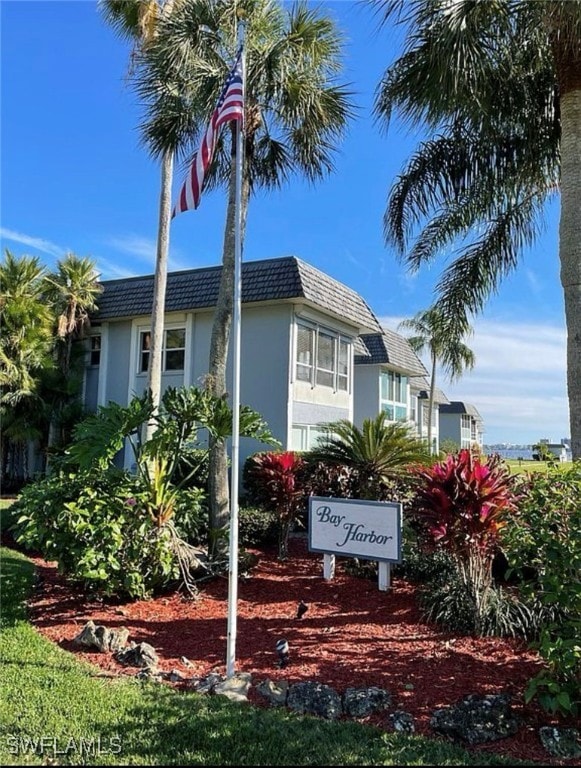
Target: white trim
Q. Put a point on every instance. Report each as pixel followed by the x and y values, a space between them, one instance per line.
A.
pixel 104 366
pixel 188 355
pixel 329 321
pixel 144 327
pixel 292 337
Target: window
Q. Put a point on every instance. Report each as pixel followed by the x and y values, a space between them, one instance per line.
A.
pixel 393 395
pixel 95 350
pixel 305 437
pixel 305 353
pixel 466 423
pixel 323 357
pixel 174 350
pixel 325 360
pixel 343 366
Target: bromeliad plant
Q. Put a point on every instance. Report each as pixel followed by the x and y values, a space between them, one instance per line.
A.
pixel 275 478
pixel 463 503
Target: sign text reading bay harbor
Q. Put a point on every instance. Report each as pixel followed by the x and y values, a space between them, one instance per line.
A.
pixel 352 528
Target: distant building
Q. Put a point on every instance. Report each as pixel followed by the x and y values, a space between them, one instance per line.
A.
pixel 386 369
pixel 461 423
pixel 559 450
pixel 420 404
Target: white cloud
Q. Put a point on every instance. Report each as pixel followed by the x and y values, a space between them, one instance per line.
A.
pixel 518 383
pixel 108 270
pixel 38 243
pixel 144 250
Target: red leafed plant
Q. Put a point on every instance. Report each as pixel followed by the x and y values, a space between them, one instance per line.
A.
pixel 463 502
pixel 275 480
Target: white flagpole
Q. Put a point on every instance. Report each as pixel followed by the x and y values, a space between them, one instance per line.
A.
pixel 233 565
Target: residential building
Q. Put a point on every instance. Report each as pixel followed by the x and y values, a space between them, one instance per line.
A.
pixel 558 450
pixel 461 423
pixel 420 399
pixel 299 329
pixel 385 369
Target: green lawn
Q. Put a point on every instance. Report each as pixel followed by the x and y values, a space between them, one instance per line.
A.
pixel 528 465
pixel 54 708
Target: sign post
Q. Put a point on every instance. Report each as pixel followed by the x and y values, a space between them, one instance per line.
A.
pixel 365 529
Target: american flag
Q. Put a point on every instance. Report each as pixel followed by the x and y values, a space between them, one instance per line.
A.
pixel 230 106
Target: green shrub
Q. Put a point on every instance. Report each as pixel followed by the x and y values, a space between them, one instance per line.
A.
pixel 99 528
pixel 460 607
pixel 8 518
pixel 334 480
pixel 545 536
pixel 421 561
pixel 257 527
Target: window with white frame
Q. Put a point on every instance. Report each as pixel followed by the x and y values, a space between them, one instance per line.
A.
pixel 414 408
pixel 466 427
pixel 173 353
pixel 394 395
pixel 323 357
pixel 304 437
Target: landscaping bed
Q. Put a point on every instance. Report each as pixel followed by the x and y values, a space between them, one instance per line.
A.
pixel 352 635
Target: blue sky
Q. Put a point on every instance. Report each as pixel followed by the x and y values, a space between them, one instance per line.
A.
pixel 75 177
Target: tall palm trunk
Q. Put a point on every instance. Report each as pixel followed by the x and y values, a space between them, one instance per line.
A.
pixel 570 248
pixel 159 288
pixel 218 459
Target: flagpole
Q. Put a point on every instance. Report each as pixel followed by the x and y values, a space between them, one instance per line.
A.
pixel 236 322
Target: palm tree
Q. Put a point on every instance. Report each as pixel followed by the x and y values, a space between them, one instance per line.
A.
pixel 442 340
pixel 26 343
pixel 294 114
pixel 138 20
pixel 378 452
pixel 26 322
pixel 498 86
pixel 72 291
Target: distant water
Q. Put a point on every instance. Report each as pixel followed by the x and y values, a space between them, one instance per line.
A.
pixel 511 453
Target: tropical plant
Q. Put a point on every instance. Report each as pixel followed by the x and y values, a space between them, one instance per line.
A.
pixel 71 290
pixel 294 114
pixel 26 320
pixel 97 526
pixel 463 503
pixel 166 462
pixel 545 536
pixel 498 87
pixel 377 452
pixel 447 445
pixel 276 477
pixel 26 342
pixel 138 21
pixel 542 452
pixel 442 340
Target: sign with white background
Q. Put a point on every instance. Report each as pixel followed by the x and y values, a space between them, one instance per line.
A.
pixel 353 528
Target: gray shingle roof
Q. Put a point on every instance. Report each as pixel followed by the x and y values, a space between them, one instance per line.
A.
pixel 423 385
pixel 389 347
pixel 268 280
pixel 457 406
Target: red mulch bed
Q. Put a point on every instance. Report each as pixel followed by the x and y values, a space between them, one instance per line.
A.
pixel 352 635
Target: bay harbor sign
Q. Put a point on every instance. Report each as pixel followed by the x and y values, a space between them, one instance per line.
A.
pixel 351 528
